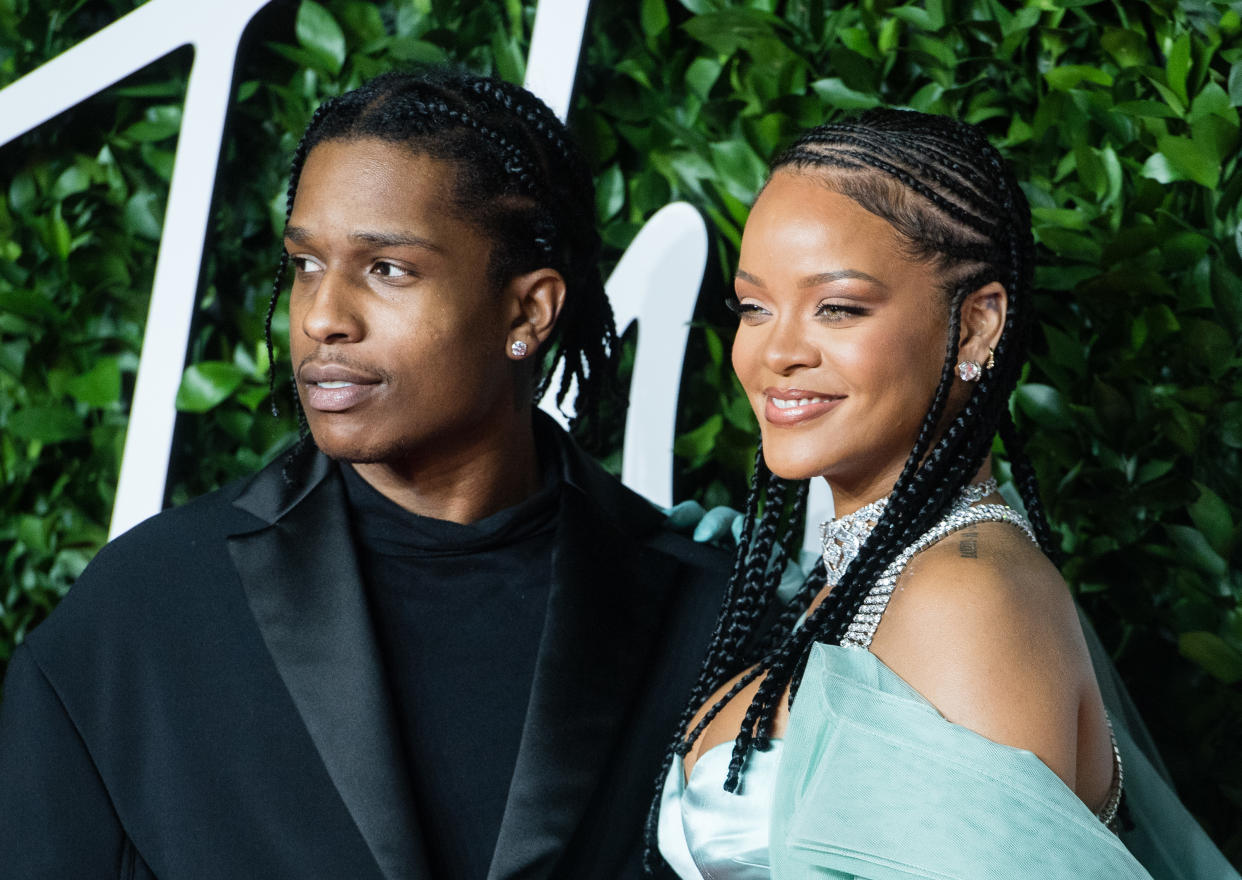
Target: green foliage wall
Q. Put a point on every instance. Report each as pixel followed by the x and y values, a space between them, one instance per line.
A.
pixel 1122 119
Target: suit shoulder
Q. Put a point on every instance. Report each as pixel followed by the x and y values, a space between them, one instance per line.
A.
pixel 696 554
pixel 153 566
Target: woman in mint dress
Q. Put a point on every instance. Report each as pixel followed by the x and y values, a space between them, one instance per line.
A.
pixel 927 705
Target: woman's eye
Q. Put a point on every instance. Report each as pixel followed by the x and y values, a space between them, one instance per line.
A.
pixel 838 312
pixel 741 309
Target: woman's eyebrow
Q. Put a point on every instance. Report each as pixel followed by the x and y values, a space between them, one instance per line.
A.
pixel 839 275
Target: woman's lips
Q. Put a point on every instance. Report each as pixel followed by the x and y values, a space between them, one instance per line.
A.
pixel 795 406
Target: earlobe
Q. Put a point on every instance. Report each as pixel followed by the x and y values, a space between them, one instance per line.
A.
pixel 983 321
pixel 537 299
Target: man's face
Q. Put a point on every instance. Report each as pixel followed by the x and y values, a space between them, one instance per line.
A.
pixel 398 338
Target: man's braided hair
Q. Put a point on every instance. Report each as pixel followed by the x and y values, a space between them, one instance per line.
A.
pixel 519 178
pixel 956 207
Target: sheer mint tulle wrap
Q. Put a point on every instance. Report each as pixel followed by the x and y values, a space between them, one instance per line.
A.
pixel 875 783
pixel 871 782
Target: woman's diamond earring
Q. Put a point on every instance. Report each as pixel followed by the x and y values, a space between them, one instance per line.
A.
pixel 518 349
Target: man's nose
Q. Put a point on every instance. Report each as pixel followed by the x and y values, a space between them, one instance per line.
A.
pixel 332 316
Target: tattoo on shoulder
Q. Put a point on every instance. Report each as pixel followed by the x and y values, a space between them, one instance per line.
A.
pixel 968 546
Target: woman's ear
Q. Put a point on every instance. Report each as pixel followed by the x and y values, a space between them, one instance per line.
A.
pixel 983 321
pixel 536 299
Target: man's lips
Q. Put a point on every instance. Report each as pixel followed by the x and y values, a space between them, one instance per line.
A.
pixel 335 387
pixel 791 406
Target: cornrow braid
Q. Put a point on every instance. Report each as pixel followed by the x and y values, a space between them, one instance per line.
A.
pixel 955 205
pixel 520 179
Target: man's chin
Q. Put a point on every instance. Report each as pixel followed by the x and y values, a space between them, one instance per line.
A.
pixel 354 453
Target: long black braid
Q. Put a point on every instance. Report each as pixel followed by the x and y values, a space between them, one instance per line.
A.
pixel 519 178
pixel 956 206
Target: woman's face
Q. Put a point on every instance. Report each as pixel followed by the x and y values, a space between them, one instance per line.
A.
pixel 841 338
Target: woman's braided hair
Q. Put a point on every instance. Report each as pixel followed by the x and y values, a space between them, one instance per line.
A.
pixel 519 178
pixel 955 206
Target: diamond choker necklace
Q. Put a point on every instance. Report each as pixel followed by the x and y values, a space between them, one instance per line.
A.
pixel 843 537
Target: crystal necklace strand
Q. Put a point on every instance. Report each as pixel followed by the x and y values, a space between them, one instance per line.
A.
pixel 842 537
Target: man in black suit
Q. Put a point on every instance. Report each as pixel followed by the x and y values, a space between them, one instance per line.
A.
pixel 440 641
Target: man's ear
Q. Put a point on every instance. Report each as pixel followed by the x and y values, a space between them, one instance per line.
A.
pixel 983 320
pixel 536 299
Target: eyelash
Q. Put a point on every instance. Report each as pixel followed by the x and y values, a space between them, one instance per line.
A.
pixel 830 309
pixel 833 311
pixel 398 272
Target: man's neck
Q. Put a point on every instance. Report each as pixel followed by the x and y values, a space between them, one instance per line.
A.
pixel 466 483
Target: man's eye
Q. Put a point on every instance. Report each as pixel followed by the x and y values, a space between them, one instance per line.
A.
pixel 388 270
pixel 303 264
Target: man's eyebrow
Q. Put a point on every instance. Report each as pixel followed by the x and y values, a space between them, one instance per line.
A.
pixel 301 235
pixel 393 239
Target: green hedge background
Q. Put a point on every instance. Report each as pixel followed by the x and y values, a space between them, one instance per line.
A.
pixel 1122 118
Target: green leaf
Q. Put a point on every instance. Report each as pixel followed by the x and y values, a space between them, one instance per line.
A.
pixel 1178 67
pixel 1044 405
pixel 731 30
pixel 207 384
pixel 1127 47
pixel 1230 416
pixel 509 57
pixel 144 215
pixel 701 75
pixel 100 386
pixel 1210 514
pixel 157 124
pixel 1153 109
pixel 1212 101
pixel 609 193
pixel 46 424
pixel 410 48
pixel 654 17
pixel 698 444
pixel 319 33
pixel 741 170
pixel 28 303
pixel 1212 653
pixel 1235 84
pixel 1194 548
pixel 1189 160
pixel 1072 75
pixel 73 180
pixel 23 193
pixel 836 94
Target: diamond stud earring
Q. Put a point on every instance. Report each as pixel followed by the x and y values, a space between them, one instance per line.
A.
pixel 970 371
pixel 518 349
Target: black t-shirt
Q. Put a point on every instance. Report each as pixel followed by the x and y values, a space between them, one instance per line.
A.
pixel 458 611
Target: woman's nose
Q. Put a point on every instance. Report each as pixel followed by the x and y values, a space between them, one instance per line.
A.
pixel 788 346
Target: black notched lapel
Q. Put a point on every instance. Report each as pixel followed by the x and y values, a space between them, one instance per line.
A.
pixel 604 614
pixel 301 578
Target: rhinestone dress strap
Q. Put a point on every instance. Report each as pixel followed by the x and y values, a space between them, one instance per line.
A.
pixel 862 627
pixel 1112 803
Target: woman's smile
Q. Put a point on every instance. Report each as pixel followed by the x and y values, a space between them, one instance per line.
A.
pixel 795 406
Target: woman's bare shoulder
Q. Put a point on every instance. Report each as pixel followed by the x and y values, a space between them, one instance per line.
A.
pixel 983 625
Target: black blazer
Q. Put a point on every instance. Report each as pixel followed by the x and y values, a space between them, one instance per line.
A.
pixel 208 700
